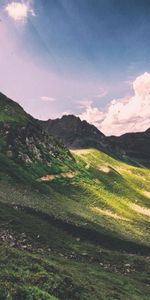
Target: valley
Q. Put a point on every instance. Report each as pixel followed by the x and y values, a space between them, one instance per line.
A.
pixel 74 222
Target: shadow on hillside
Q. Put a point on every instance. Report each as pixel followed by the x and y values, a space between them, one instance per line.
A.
pixel 86 234
pixel 118 155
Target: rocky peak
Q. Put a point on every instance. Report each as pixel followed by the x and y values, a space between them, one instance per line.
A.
pixel 74 132
pixel 22 138
pixel 148 132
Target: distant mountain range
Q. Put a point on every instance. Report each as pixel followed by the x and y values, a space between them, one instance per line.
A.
pixel 68 130
pixel 135 145
pixel 79 134
pixel 72 220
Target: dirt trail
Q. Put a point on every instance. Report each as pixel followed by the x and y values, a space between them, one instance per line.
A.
pixel 53 176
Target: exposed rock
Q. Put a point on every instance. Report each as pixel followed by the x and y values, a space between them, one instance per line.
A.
pixel 127 265
pixel 78 239
pixel 24 140
pixel 84 254
pixel 75 133
pixel 78 134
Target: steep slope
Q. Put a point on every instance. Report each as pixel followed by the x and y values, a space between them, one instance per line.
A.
pixel 10 111
pixel 23 140
pixel 72 225
pixel 76 133
pixel 71 239
pixel 135 145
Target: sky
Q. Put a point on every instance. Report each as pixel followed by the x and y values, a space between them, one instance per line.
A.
pixel 90 58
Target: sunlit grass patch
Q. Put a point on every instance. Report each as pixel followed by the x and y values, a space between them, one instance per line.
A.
pixel 146 193
pixel 108 213
pixel 141 210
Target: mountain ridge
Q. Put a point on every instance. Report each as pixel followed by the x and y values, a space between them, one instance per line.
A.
pixel 75 133
pixel 67 236
pixel 70 131
pixel 22 139
pixel 135 144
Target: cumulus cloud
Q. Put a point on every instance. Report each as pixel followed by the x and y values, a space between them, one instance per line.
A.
pixel 85 103
pixel 19 11
pixel 50 99
pixel 92 115
pixel 129 114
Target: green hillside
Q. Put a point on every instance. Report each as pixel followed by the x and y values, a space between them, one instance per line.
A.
pixel 73 225
pixel 80 233
pixel 10 111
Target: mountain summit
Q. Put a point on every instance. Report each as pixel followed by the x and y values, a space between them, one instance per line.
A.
pixel 19 128
pixel 75 133
pixel 23 140
pixel 68 217
pixel 10 111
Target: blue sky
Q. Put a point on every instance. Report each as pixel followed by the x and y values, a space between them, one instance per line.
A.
pixel 72 56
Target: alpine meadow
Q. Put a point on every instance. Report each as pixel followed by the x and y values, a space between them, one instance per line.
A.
pixel 74 150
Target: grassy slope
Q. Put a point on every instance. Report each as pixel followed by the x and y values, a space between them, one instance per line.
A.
pixel 11 111
pixel 83 239
pixel 115 186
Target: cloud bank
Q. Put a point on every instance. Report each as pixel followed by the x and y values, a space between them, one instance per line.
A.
pixel 129 114
pixel 19 11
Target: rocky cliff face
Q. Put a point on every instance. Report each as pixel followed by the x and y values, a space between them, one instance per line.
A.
pixel 23 139
pixel 26 139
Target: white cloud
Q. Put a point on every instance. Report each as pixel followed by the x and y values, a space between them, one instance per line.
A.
pixel 124 115
pixel 85 103
pixel 19 11
pixel 50 99
pixel 92 115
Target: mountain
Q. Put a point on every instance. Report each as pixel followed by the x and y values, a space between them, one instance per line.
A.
pixel 135 145
pixel 23 140
pixel 10 111
pixel 75 133
pixel 73 224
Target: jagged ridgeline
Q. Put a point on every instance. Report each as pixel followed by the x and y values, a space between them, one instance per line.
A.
pixel 73 223
pixel 22 140
pixel 77 134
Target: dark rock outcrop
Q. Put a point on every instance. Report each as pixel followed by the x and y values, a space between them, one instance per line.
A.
pixel 75 133
pixel 23 137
